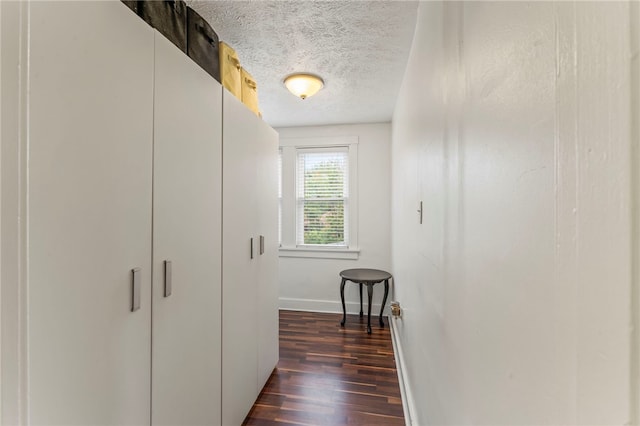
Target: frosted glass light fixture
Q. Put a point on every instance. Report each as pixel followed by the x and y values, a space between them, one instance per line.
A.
pixel 303 85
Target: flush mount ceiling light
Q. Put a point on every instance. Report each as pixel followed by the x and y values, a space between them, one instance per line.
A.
pixel 303 85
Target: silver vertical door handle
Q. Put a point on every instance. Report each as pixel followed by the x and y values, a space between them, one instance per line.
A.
pixel 135 289
pixel 420 212
pixel 251 248
pixel 167 278
pixel 261 244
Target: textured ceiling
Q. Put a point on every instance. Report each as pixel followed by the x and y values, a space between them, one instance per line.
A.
pixel 359 48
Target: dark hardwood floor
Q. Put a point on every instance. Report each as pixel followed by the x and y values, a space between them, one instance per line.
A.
pixel 329 375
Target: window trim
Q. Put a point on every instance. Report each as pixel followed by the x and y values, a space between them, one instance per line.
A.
pixel 289 247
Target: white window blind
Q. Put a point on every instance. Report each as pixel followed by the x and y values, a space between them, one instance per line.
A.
pixel 322 186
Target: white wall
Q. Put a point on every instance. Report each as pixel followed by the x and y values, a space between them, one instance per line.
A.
pixel 13 311
pixel 314 284
pixel 634 17
pixel 513 127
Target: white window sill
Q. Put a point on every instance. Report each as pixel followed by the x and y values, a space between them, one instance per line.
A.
pixel 320 253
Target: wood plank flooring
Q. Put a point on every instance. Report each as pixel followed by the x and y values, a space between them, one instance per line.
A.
pixel 329 375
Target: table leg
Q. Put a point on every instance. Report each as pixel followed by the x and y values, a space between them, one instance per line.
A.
pixel 360 285
pixel 344 308
pixel 384 300
pixel 370 294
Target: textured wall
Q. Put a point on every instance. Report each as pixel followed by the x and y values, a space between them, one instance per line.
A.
pixel 513 127
pixel 314 284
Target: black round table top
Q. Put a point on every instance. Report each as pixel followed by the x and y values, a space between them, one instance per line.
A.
pixel 363 275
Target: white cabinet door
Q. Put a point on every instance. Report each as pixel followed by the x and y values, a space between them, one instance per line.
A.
pixel 89 183
pixel 267 185
pixel 240 315
pixel 187 233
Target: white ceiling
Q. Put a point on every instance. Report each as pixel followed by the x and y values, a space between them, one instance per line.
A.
pixel 359 48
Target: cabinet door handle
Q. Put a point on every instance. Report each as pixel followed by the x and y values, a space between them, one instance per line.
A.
pixel 251 248
pixel 135 289
pixel 167 278
pixel 261 244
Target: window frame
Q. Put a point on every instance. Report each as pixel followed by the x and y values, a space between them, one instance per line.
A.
pixel 289 246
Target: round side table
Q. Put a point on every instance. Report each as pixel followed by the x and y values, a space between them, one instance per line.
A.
pixel 368 277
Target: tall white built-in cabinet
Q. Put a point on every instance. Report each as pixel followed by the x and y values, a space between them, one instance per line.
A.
pixel 150 220
pixel 250 259
pixel 187 202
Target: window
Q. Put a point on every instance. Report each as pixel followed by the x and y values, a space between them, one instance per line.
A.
pixel 322 177
pixel 318 203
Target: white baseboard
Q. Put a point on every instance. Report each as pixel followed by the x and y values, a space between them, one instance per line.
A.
pixel 329 306
pixel 408 403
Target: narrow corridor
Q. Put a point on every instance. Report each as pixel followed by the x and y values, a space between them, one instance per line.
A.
pixel 328 375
